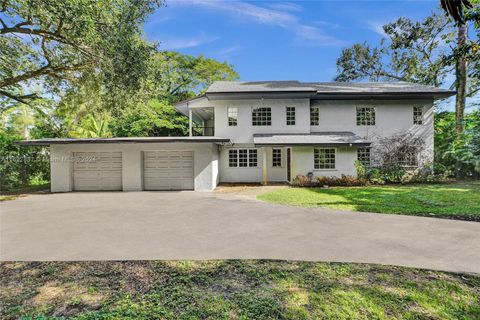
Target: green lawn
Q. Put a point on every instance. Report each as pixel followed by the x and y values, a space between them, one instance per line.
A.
pixel 232 290
pixel 460 200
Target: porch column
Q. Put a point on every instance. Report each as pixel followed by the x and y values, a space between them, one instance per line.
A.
pixel 190 122
pixel 264 165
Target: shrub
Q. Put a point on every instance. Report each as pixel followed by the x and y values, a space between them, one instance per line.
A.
pixel 344 180
pixel 20 166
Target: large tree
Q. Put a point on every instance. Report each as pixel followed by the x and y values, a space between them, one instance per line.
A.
pixel 46 43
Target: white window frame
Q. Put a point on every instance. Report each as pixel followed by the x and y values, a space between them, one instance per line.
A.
pixel 232 116
pixel 261 116
pixel 319 166
pixel 362 113
pixel 243 158
pixel 417 115
pixel 314 116
pixel 277 158
pixel 364 152
pixel 290 116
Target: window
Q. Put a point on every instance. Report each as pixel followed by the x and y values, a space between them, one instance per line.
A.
pixel 232 116
pixel 290 116
pixel 252 157
pixel 232 158
pixel 276 157
pixel 365 116
pixel 417 115
pixel 363 155
pixel 314 116
pixel 324 158
pixel 409 159
pixel 242 158
pixel 262 116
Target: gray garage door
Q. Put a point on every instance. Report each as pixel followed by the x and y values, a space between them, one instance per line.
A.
pixel 168 170
pixel 97 171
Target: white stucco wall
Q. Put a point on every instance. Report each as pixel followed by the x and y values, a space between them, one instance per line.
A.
pixel 303 162
pixel 243 132
pixel 205 163
pixel 392 117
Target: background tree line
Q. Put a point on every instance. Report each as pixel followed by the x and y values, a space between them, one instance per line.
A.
pixel 83 68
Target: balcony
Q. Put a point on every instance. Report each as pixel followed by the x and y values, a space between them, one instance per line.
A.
pixel 202 131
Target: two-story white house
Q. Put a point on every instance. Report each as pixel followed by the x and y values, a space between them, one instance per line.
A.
pixel 255 132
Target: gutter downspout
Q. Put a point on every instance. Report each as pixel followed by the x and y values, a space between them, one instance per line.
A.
pixel 190 122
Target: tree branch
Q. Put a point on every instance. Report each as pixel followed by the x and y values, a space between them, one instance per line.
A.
pixel 43 71
pixel 18 98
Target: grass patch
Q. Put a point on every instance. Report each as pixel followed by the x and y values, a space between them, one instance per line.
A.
pixel 16 193
pixel 232 290
pixel 459 201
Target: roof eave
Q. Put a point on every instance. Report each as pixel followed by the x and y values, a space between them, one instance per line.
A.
pixel 48 142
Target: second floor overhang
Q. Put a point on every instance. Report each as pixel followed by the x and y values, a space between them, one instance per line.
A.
pixel 326 139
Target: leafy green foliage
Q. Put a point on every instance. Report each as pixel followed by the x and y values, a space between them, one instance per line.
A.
pixel 18 166
pixel 61 39
pixel 453 150
pixel 156 118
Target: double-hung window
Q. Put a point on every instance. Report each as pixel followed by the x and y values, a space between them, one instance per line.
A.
pixel 365 116
pixel 232 116
pixel 290 115
pixel 242 158
pixel 262 116
pixel 314 116
pixel 417 115
pixel 363 155
pixel 276 157
pixel 324 158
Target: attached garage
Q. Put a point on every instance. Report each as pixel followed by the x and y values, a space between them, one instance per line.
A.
pixel 133 164
pixel 97 171
pixel 168 170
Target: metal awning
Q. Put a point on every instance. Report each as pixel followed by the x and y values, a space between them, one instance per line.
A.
pixel 310 139
pixel 47 142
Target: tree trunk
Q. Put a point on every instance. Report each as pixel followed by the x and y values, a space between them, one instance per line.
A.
pixel 461 75
pixel 461 84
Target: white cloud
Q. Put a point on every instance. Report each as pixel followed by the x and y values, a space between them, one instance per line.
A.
pixel 286 6
pixel 229 50
pixel 376 27
pixel 307 34
pixel 183 43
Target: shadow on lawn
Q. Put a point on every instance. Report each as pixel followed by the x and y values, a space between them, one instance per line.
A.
pixel 232 289
pixel 437 201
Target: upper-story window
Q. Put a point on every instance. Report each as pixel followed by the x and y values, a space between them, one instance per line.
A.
pixel 232 116
pixel 324 158
pixel 276 157
pixel 417 115
pixel 290 113
pixel 365 116
pixel 314 116
pixel 262 116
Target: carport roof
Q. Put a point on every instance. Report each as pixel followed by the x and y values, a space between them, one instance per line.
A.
pixel 46 142
pixel 309 139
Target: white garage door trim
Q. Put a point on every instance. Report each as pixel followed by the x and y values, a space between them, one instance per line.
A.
pixel 97 171
pixel 168 170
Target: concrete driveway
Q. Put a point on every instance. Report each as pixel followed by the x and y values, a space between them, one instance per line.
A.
pixel 189 225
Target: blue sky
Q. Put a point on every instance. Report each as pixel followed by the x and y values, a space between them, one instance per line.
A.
pixel 272 40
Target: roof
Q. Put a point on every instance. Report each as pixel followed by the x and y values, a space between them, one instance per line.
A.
pixel 47 142
pixel 317 138
pixel 326 88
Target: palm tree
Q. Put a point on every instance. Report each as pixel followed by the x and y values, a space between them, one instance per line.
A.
pixel 91 127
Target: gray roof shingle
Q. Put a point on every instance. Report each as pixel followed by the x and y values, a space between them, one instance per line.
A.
pixel 325 87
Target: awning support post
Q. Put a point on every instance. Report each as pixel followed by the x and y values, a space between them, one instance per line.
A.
pixel 264 166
